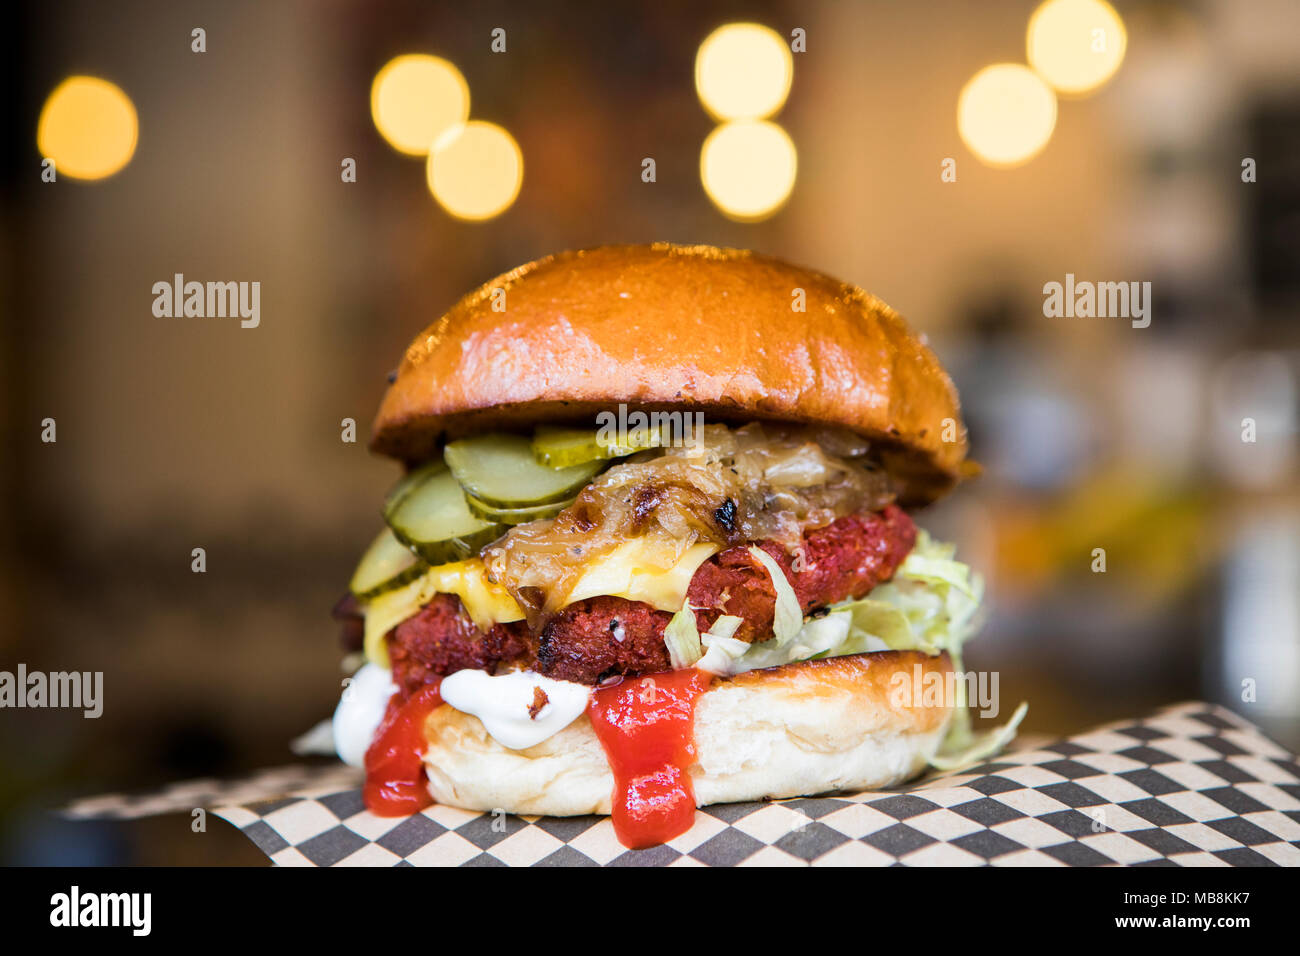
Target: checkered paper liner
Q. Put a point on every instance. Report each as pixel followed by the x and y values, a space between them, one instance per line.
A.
pixel 1193 785
pixel 182 797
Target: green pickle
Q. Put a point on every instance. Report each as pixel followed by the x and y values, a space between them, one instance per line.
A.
pixel 565 447
pixel 514 516
pixel 386 565
pixel 428 513
pixel 499 471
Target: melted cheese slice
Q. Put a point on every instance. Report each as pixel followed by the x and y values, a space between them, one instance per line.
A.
pixel 625 572
pixel 485 602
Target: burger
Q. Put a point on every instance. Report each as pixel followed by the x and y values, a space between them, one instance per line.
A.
pixel 653 548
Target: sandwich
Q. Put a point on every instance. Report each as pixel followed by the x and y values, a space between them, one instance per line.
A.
pixel 653 548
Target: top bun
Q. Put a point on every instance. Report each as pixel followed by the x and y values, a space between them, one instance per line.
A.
pixel 666 327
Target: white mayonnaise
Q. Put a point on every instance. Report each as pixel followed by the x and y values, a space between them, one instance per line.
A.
pixel 502 703
pixel 359 712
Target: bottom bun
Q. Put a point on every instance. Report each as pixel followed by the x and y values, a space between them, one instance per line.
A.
pixel 795 730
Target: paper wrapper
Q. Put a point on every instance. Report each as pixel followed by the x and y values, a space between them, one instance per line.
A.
pixel 1193 785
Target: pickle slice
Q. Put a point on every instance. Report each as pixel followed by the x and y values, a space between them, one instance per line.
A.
pixel 500 470
pixel 564 447
pixel 406 484
pixel 387 564
pixel 432 518
pixel 514 516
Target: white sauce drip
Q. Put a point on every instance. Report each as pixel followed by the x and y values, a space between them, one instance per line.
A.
pixel 502 702
pixel 359 712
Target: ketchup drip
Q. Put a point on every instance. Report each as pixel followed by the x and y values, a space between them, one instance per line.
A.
pixel 647 727
pixel 395 781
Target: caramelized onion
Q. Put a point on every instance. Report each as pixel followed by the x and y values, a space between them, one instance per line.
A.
pixel 731 486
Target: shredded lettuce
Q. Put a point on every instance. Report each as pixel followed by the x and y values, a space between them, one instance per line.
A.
pixel 976 748
pixel 930 605
pixel 720 648
pixel 788 617
pixel 725 626
pixel 721 654
pixel 823 636
pixel 682 638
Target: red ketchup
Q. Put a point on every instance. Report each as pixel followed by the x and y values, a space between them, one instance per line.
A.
pixel 647 727
pixel 395 781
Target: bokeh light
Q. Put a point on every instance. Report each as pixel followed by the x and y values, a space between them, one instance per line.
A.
pixel 748 168
pixel 475 170
pixel 743 71
pixel 415 98
pixel 1076 45
pixel 89 127
pixel 1006 114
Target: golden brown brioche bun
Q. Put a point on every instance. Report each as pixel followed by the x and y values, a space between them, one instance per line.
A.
pixel 667 327
pixel 806 728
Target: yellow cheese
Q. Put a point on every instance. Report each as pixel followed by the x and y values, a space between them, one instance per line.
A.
pixel 486 603
pixel 625 572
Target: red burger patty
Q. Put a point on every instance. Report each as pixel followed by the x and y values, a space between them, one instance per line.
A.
pixel 441 639
pixel 602 637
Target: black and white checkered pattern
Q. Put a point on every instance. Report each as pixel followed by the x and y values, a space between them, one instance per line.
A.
pixel 185 796
pixel 1194 785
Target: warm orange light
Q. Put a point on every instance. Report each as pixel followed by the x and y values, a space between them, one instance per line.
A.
pixel 1076 45
pixel 475 170
pixel 748 168
pixel 1006 114
pixel 89 127
pixel 415 98
pixel 743 71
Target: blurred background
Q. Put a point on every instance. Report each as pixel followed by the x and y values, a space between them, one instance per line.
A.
pixel 1151 141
